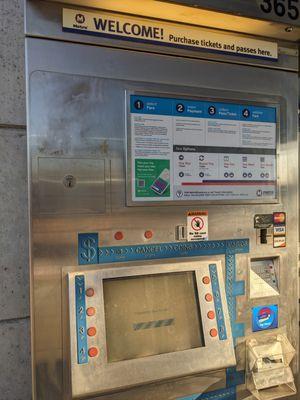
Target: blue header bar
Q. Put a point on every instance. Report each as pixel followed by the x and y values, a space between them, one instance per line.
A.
pixel 201 109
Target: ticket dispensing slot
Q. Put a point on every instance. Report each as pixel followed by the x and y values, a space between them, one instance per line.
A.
pixel 269 375
pixel 140 324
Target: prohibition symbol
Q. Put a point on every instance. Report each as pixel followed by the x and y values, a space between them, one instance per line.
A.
pixel 197 223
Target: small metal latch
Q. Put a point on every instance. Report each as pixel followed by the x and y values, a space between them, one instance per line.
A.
pixel 180 233
pixel 69 181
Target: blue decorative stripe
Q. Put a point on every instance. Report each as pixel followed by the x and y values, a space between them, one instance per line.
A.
pixel 87 248
pixel 201 109
pixel 82 356
pixel 223 394
pixel 89 253
pixel 218 302
pixel 171 250
pixel 166 44
pixel 234 377
pixel 233 289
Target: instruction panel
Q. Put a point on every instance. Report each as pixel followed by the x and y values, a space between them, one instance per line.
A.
pixel 193 150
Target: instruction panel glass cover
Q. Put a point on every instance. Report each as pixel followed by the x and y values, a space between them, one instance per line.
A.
pixel 189 150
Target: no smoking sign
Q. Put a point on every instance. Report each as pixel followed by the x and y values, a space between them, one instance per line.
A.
pixel 197 226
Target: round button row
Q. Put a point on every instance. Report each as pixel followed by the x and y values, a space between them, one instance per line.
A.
pixel 120 235
pixel 211 314
pixel 92 331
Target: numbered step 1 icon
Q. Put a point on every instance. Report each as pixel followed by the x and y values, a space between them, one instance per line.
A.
pixel 138 104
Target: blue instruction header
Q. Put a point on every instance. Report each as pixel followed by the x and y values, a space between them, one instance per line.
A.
pixel 201 109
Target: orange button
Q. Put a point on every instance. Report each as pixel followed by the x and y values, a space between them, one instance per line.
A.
pixel 93 351
pixel 91 311
pixel 92 331
pixel 148 234
pixel 208 297
pixel 90 292
pixel 119 235
pixel 213 332
pixel 211 315
pixel 206 280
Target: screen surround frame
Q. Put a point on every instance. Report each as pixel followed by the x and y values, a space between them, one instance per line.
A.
pixel 212 95
pixel 102 376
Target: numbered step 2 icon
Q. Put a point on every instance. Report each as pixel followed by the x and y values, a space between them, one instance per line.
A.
pixel 212 110
pixel 180 108
pixel 138 104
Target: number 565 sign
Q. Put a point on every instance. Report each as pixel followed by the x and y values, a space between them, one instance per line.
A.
pixel 287 9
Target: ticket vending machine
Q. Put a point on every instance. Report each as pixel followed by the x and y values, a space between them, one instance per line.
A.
pixel 163 177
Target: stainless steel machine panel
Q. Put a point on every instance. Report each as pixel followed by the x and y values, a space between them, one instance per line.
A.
pixel 77 122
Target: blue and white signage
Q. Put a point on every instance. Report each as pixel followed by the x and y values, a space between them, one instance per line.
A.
pixel 191 150
pixel 118 26
pixel 264 318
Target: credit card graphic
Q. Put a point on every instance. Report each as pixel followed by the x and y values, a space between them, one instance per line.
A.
pixel 162 182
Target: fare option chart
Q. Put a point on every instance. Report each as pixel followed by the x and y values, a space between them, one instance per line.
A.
pixel 200 150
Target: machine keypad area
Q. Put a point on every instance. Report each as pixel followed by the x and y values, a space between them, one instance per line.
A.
pixel 82 351
pixel 87 331
pixel 218 302
pixel 84 331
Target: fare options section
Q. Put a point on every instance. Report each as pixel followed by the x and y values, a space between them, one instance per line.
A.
pixel 199 150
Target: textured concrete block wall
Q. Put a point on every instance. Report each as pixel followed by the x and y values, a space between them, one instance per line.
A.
pixel 15 379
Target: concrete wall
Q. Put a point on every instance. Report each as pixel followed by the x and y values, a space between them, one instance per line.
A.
pixel 15 379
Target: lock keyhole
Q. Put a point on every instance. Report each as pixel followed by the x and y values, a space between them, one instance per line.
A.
pixel 69 181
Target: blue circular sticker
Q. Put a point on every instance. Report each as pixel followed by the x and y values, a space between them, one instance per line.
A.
pixel 265 318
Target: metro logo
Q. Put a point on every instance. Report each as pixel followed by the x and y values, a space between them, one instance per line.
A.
pixel 80 18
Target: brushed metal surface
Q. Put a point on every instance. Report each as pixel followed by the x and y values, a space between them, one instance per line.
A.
pixel 97 78
pixel 65 185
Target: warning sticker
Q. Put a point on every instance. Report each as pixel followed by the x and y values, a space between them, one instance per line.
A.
pixel 197 226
